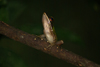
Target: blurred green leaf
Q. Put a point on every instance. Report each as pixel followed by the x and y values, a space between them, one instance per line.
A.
pixel 15 9
pixel 10 59
pixel 3 2
pixel 4 14
pixel 9 11
pixel 69 36
pixel 3 11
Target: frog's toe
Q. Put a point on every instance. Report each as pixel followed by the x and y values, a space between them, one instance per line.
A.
pixel 49 46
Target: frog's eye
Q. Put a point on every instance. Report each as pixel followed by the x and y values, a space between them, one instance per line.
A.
pixel 51 19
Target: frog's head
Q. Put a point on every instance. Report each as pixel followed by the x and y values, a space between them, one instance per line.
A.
pixel 47 22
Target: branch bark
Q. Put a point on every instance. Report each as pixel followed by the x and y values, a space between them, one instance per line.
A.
pixel 40 44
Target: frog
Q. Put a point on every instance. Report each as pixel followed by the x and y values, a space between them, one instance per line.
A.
pixel 49 31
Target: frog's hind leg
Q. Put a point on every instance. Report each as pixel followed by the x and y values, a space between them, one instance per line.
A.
pixel 58 44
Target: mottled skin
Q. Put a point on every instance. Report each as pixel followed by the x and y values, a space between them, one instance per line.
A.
pixel 48 30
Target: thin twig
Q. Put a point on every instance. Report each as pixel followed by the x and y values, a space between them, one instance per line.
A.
pixel 40 44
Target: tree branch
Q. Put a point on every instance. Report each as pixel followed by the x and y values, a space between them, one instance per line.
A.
pixel 40 44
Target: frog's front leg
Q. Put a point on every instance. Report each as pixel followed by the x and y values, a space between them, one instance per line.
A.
pixel 43 37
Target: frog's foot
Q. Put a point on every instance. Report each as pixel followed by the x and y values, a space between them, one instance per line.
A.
pixel 50 46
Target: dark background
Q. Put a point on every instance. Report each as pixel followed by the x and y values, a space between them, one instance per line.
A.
pixel 77 22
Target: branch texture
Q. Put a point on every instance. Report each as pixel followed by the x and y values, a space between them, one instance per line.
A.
pixel 40 44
